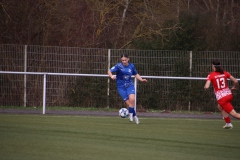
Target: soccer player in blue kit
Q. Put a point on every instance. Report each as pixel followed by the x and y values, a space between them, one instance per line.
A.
pixel 125 86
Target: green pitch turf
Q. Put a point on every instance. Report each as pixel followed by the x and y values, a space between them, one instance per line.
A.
pixel 49 137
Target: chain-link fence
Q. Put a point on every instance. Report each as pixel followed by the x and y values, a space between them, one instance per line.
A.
pixel 168 94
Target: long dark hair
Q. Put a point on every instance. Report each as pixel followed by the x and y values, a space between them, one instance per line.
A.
pixel 217 65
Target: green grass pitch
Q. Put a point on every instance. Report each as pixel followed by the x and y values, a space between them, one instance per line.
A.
pixel 51 137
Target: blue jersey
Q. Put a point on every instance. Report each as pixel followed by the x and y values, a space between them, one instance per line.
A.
pixel 124 74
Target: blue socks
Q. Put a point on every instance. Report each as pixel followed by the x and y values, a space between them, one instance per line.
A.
pixel 131 110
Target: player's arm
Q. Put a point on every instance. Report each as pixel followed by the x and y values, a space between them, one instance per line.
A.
pixel 235 83
pixel 207 84
pixel 111 75
pixel 140 78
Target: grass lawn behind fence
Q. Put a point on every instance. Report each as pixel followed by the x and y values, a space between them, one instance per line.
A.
pixel 112 138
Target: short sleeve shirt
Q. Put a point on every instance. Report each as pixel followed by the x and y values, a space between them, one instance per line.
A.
pixel 220 84
pixel 124 74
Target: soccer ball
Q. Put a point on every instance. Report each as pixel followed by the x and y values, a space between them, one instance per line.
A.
pixel 123 112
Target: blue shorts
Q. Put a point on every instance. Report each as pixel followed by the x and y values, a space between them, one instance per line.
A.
pixel 125 92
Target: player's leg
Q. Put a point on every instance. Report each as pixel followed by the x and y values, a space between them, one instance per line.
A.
pixel 123 93
pixel 131 102
pixel 229 108
pixel 235 114
pixel 131 98
pixel 226 118
pixel 226 106
pixel 132 112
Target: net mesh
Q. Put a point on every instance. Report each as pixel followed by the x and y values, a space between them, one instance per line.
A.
pixel 168 94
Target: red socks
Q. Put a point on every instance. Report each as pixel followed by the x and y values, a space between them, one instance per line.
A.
pixel 227 119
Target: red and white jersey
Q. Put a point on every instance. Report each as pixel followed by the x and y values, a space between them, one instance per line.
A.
pixel 220 84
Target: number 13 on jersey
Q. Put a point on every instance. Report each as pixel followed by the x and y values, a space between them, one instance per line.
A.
pixel 221 83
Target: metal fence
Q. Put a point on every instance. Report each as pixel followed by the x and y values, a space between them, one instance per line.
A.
pixel 158 93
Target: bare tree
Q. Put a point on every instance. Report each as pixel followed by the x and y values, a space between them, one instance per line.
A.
pixel 110 23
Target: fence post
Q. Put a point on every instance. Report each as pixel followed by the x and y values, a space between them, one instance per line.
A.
pixel 135 85
pixel 25 78
pixel 108 80
pixel 44 93
pixel 190 71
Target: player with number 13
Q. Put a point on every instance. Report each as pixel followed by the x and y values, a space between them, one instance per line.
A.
pixel 224 96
